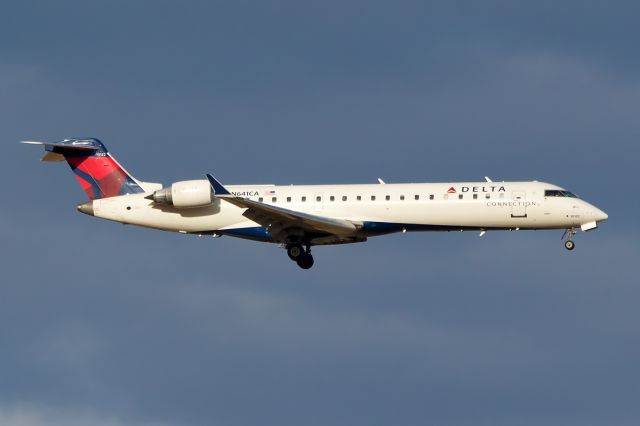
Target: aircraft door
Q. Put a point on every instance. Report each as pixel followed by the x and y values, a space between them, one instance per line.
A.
pixel 518 204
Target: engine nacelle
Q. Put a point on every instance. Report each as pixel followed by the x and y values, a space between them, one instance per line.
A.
pixel 185 194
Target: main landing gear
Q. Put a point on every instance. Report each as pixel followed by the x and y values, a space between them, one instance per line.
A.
pixel 568 243
pixel 302 257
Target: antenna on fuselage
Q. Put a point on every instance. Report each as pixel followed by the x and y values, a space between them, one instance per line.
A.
pixel 381 181
pixel 487 179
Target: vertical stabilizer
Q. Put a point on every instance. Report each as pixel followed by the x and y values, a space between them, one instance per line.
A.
pixel 98 173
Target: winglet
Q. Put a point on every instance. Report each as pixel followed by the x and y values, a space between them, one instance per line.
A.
pixel 218 189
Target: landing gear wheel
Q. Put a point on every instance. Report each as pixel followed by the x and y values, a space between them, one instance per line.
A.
pixel 295 251
pixel 305 261
pixel 568 242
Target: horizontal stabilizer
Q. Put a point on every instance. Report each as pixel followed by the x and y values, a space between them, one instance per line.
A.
pixel 80 145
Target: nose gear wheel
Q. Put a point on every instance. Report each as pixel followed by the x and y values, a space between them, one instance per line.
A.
pixel 568 243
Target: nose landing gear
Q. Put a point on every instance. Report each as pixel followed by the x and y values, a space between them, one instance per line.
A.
pixel 569 244
pixel 302 257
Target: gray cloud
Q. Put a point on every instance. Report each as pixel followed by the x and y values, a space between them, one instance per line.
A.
pixel 37 416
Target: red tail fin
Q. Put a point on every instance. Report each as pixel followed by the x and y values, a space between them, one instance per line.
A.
pixel 99 174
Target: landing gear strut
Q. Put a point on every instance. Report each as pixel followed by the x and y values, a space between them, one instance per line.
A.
pixel 302 257
pixel 569 244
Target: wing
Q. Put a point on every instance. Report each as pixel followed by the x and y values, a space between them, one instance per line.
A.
pixel 280 218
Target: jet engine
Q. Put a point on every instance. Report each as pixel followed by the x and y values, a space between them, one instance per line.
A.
pixel 185 194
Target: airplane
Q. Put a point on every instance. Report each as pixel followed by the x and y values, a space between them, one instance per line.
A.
pixel 299 217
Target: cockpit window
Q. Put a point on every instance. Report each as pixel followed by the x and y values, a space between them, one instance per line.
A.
pixel 558 193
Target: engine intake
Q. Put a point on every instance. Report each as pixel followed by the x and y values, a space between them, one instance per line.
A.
pixel 185 194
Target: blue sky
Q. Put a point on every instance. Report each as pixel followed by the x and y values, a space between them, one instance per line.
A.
pixel 104 324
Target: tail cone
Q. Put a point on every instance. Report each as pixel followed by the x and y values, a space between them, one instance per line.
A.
pixel 86 208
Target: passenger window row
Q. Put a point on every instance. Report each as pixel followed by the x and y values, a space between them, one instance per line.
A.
pixel 416 197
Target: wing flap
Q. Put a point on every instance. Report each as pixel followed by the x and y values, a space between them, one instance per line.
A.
pixel 264 214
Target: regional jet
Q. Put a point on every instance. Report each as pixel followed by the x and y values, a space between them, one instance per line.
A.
pixel 299 217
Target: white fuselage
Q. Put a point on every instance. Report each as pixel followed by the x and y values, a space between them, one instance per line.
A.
pixel 377 208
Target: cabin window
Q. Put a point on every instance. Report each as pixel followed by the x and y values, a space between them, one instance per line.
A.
pixel 460 196
pixel 388 197
pixel 487 196
pixel 318 198
pixel 401 197
pixel 260 199
pixel 304 199
pixel 373 198
pixel 475 196
pixel 274 199
pixel 344 198
pixel 501 195
pixel 431 197
pixel 288 199
pixel 359 198
pixel 416 197
pixel 332 198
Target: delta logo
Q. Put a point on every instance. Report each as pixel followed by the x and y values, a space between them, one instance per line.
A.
pixel 492 188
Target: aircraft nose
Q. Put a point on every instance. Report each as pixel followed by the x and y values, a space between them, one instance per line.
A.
pixel 600 215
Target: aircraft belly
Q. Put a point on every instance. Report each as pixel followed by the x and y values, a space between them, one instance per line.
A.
pixel 445 216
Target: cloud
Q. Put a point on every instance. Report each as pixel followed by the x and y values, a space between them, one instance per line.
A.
pixel 37 416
